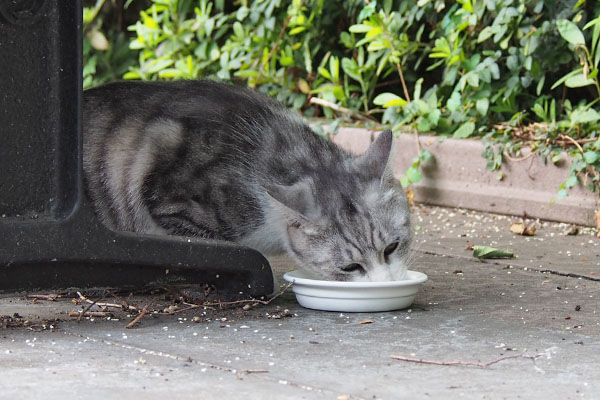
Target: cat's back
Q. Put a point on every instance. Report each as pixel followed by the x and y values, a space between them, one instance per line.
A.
pixel 176 99
pixel 149 146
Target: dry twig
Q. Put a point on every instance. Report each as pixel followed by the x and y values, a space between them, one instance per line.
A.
pixel 49 297
pixel 124 307
pixel 570 139
pixel 232 303
pixel 463 363
pixel 254 371
pixel 137 319
pixel 93 314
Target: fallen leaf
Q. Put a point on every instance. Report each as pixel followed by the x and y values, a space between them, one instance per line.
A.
pixel 410 195
pixel 568 317
pixel 365 321
pixel 573 230
pixel 597 219
pixel 520 228
pixel 491 252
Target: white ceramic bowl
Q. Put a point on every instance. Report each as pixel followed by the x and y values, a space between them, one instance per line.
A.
pixel 312 292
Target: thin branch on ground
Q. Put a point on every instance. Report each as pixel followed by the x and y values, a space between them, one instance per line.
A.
pixel 124 307
pixel 49 297
pixel 464 363
pixel 87 309
pixel 92 314
pixel 147 309
pixel 137 319
pixel 124 303
pixel 232 303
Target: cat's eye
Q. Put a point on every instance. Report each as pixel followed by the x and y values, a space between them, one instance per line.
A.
pixel 389 250
pixel 354 267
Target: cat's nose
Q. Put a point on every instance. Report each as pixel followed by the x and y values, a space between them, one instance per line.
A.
pixel 379 273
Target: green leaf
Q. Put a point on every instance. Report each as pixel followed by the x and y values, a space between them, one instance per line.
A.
pixel 482 106
pixel 578 80
pixel 338 92
pixel 246 73
pixel 360 28
pixel 169 73
pixel 591 157
pixel 491 252
pixel 567 76
pixel 473 79
pixel 581 116
pixel 389 100
pixel 562 193
pixel 286 61
pixel 540 85
pixel 485 34
pixel 424 125
pixel 413 175
pixel 556 158
pixel 238 29
pixel 465 130
pixel 157 65
pixel 351 68
pixel 417 91
pixel 325 73
pixel 453 102
pixel 297 30
pixel 571 181
pixel 242 13
pixel 570 32
pixel 132 75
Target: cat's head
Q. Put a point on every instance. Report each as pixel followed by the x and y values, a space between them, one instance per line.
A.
pixel 351 223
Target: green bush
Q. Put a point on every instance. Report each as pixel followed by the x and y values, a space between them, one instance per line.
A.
pixel 517 73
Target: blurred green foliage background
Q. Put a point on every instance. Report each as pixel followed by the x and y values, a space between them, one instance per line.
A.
pixel 515 73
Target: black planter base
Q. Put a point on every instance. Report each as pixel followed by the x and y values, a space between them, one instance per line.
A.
pixel 49 235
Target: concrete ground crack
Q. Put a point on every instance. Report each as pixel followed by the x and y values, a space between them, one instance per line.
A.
pixel 264 374
pixel 505 263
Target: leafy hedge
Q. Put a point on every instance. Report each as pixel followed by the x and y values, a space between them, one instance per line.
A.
pixel 517 73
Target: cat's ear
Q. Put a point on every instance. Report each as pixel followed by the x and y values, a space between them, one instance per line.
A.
pixel 298 226
pixel 376 161
pixel 297 197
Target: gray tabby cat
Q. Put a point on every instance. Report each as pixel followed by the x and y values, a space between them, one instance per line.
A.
pixel 211 160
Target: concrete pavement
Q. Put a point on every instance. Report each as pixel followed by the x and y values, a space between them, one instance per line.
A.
pixel 468 311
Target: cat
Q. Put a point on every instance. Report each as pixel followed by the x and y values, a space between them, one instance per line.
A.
pixel 213 160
